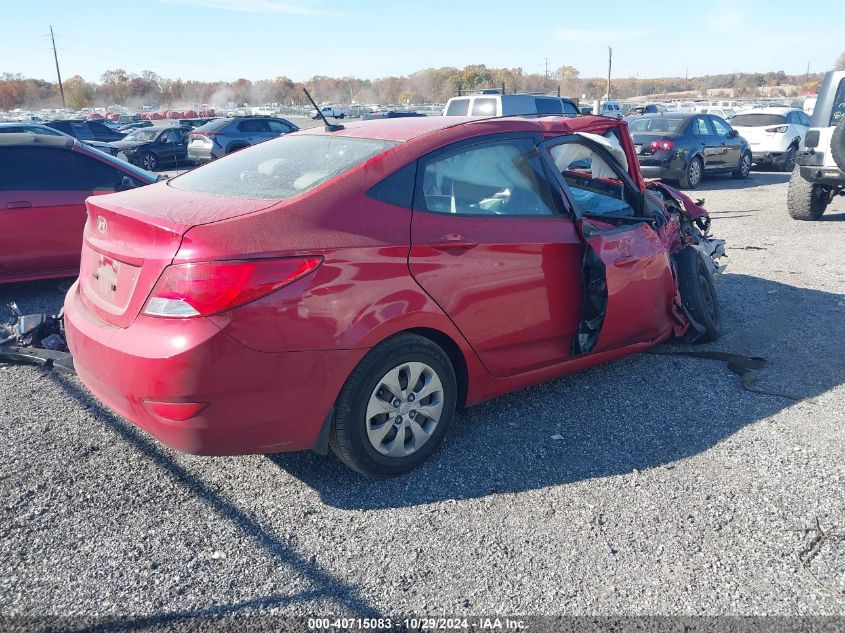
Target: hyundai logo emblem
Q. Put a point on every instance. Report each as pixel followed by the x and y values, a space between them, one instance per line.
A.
pixel 102 225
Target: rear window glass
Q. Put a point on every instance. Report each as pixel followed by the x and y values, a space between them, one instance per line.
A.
pixel 660 124
pixel 484 107
pixel 838 110
pixel 458 107
pixel 549 106
pixel 757 120
pixel 280 169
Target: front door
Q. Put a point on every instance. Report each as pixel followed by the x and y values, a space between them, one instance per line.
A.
pixel 492 246
pixel 729 140
pixel 629 288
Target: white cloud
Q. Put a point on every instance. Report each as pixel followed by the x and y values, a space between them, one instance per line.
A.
pixel 597 36
pixel 289 7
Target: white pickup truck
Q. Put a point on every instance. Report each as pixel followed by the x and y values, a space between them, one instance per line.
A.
pixel 337 112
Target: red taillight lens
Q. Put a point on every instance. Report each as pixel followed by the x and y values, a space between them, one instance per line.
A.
pixel 665 144
pixel 781 129
pixel 206 288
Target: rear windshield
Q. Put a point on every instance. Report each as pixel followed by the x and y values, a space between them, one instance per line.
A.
pixel 483 107
pixel 458 107
pixel 757 120
pixel 281 168
pixel 658 125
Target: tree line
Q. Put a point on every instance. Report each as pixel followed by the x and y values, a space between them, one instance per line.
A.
pixel 431 85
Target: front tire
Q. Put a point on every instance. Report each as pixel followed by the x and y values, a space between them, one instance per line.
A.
pixel 693 174
pixel 803 199
pixel 744 168
pixel 395 407
pixel 698 294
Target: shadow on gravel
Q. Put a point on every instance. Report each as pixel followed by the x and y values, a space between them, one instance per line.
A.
pixel 638 413
pixel 326 586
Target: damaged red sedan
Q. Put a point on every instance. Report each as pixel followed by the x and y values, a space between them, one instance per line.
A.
pixel 351 287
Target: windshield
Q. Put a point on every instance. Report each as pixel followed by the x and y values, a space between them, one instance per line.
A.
pixel 282 168
pixel 757 120
pixel 656 125
pixel 141 135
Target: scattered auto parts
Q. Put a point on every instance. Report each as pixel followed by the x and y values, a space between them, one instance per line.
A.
pixel 35 339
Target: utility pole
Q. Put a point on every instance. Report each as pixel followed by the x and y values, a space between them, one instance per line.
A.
pixel 58 74
pixel 547 68
pixel 807 76
pixel 609 64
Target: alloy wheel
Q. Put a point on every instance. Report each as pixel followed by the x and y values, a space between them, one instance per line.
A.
pixel 694 174
pixel 404 409
pixel 745 166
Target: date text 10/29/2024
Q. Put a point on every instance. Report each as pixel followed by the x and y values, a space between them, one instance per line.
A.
pixel 416 624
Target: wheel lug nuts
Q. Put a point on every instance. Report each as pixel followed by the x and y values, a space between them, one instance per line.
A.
pixel 411 398
pixel 396 402
pixel 398 420
pixel 412 414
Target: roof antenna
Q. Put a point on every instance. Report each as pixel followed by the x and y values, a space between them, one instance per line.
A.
pixel 329 126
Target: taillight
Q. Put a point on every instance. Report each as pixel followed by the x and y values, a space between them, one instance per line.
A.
pixel 665 144
pixel 781 129
pixel 206 288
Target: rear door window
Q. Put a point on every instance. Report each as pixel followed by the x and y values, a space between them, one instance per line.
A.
pixel 494 178
pixel 701 127
pixel 278 126
pixel 253 125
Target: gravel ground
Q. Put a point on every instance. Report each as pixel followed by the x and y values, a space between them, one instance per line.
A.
pixel 672 490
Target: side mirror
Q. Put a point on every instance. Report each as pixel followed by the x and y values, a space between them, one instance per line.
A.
pixel 732 134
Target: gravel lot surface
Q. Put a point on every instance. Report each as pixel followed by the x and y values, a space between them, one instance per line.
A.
pixel 672 490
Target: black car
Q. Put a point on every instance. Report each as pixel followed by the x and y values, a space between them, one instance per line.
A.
pixel 687 146
pixel 153 147
pixel 389 114
pixel 86 130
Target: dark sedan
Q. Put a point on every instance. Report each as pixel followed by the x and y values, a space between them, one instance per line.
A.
pixel 87 130
pixel 153 147
pixel 685 147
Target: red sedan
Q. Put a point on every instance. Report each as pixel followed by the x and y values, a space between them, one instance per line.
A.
pixel 351 287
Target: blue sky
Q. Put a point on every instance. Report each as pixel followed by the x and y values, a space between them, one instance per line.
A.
pixel 223 39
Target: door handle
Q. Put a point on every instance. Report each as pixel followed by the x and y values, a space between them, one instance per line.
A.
pixel 19 204
pixel 453 241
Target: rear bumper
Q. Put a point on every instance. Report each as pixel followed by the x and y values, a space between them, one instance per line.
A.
pixel 256 402
pixel 200 155
pixel 655 171
pixel 763 157
pixel 823 175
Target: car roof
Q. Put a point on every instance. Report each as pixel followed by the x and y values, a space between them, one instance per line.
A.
pixel 408 128
pixel 42 140
pixel 670 114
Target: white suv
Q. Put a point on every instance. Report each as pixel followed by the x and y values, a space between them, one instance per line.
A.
pixel 820 174
pixel 494 104
pixel 775 135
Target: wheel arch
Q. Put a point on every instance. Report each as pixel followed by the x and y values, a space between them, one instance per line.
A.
pixel 455 354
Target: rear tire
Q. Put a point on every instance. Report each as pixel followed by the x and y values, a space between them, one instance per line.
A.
pixel 802 199
pixel 693 174
pixel 698 294
pixel 837 144
pixel 744 168
pixel 365 433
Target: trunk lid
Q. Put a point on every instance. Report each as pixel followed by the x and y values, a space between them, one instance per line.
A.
pixel 131 237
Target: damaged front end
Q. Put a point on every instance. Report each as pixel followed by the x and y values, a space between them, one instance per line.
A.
pixel 693 226
pixel 35 339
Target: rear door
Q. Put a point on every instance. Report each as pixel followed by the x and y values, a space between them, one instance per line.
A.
pixel 627 280
pixel 493 248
